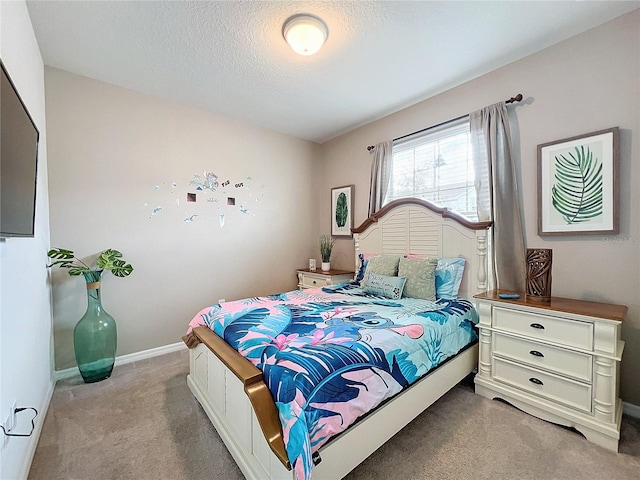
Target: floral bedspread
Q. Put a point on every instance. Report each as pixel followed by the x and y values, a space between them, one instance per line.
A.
pixel 329 355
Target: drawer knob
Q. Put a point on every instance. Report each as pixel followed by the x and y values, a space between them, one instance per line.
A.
pixel 536 353
pixel 537 325
pixel 536 381
pixel 314 282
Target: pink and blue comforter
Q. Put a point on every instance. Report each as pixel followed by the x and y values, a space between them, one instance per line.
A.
pixel 330 355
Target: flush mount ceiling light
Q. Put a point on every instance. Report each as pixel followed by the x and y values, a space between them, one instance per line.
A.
pixel 305 33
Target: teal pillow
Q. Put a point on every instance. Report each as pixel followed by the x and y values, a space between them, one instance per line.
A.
pixel 420 274
pixel 382 265
pixel 449 277
pixel 385 286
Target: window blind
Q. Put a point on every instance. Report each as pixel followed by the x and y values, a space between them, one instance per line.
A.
pixel 436 165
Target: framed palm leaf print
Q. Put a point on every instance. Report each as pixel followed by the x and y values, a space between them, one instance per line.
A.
pixel 578 184
pixel 342 210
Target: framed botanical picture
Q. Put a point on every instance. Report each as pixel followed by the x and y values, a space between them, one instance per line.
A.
pixel 342 211
pixel 578 184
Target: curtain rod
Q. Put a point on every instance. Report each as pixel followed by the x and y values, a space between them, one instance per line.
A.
pixel 515 99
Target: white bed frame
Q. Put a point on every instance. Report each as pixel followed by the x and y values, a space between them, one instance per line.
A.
pixel 403 226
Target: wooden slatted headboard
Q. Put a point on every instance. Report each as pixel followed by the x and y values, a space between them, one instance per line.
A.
pixel 416 226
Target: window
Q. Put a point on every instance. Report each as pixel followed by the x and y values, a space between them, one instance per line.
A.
pixel 436 165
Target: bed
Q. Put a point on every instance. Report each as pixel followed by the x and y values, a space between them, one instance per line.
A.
pixel 287 336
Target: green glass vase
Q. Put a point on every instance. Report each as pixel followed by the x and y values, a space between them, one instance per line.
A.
pixel 95 336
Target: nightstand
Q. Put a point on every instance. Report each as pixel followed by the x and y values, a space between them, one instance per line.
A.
pixel 559 361
pixel 317 278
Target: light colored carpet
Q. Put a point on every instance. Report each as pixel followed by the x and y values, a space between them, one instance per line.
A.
pixel 143 423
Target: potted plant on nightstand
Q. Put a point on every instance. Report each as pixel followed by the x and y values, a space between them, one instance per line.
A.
pixel 326 246
pixel 95 334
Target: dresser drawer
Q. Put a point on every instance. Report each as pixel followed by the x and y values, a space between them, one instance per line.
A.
pixel 552 329
pixel 559 389
pixel 558 360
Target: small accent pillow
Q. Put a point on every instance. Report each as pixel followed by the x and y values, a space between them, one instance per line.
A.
pixel 420 273
pixel 382 265
pixel 385 286
pixel 364 260
pixel 449 277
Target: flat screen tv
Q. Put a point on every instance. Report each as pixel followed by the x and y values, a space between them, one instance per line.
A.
pixel 18 163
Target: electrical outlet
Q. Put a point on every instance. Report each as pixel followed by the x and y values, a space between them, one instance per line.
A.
pixel 10 422
pixel 222 300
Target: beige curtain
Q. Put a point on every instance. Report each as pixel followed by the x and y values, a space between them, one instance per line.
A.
pixel 497 191
pixel 380 175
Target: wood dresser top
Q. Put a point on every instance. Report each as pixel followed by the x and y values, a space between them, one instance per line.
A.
pixel 568 305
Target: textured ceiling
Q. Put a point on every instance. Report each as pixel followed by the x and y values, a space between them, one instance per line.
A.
pixel 229 57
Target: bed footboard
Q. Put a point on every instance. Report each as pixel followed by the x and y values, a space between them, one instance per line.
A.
pixel 237 397
pixel 227 400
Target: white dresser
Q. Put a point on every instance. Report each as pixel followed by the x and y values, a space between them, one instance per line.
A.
pixel 317 278
pixel 559 361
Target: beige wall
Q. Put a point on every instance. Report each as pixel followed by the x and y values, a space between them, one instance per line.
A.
pixel 109 149
pixel 587 83
pixel 25 303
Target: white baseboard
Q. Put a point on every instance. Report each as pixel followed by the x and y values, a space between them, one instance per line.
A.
pixel 631 409
pixel 124 359
pixel 35 437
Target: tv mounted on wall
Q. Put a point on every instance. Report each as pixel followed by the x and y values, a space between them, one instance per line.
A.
pixel 18 163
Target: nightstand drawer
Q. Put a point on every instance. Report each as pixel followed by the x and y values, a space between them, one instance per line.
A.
pixel 319 278
pixel 559 389
pixel 309 281
pixel 558 360
pixel 543 327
